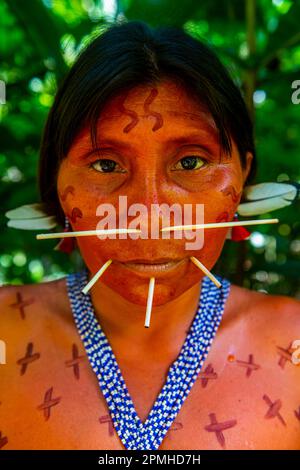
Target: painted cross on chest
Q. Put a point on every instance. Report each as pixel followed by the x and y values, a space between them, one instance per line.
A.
pixel 273 410
pixel 285 355
pixel 250 365
pixel 28 358
pixel 21 304
pixel 74 362
pixel 207 374
pixel 3 440
pixel 48 403
pixel 107 419
pixel 218 428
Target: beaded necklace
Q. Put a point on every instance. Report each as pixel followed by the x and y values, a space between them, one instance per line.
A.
pixel 135 434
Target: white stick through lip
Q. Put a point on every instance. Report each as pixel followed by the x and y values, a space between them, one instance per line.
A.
pixel 205 270
pixel 149 302
pixel 96 277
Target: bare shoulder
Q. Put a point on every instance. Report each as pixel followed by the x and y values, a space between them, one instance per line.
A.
pixel 270 325
pixel 280 310
pixel 29 303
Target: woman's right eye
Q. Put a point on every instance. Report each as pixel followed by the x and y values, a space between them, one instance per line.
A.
pixel 105 165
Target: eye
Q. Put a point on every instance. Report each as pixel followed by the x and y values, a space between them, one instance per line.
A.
pixel 189 163
pixel 105 165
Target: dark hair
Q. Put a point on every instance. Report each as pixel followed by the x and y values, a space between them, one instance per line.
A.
pixel 126 55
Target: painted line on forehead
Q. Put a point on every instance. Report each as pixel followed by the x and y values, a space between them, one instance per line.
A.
pixel 159 119
pixel 132 114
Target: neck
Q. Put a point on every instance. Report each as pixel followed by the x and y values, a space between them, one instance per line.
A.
pixel 123 321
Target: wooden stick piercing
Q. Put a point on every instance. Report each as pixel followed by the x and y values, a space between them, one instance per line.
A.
pixel 86 233
pixel 149 302
pixel 96 277
pixel 205 270
pixel 220 225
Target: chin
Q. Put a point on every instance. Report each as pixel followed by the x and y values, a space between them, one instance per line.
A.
pixel 135 290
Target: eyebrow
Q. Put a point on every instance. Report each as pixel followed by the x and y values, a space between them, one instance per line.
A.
pixel 182 140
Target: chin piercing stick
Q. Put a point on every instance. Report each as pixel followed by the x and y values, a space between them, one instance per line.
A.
pixel 149 302
pixel 96 277
pixel 205 270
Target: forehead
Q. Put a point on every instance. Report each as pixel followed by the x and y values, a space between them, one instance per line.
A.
pixel 165 102
pixel 156 112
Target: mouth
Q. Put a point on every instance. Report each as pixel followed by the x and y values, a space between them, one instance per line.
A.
pixel 153 266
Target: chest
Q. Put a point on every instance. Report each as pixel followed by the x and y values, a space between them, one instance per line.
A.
pixel 236 403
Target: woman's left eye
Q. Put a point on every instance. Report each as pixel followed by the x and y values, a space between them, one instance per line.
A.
pixel 189 163
pixel 106 165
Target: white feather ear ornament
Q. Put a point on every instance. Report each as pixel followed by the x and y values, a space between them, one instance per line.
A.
pixel 267 197
pixel 262 198
pixel 31 217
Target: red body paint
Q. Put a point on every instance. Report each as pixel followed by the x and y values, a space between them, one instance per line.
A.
pixel 218 428
pixel 273 410
pixel 21 304
pixel 48 403
pixel 3 440
pixel 107 419
pixel 75 361
pixel 250 365
pixel 28 358
pixel 207 374
pixel 285 355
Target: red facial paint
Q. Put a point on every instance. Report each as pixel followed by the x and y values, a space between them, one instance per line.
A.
pixel 75 214
pixel 231 191
pixel 223 217
pixel 159 119
pixel 68 190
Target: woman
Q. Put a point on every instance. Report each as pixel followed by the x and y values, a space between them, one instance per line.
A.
pixel 151 115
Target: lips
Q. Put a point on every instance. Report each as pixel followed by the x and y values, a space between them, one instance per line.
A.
pixel 152 261
pixel 154 267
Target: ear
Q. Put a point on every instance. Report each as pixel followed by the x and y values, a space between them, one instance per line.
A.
pixel 247 166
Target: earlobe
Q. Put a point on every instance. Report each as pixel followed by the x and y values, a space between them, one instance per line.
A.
pixel 247 168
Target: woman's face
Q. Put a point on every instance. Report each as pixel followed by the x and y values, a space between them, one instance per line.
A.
pixel 156 145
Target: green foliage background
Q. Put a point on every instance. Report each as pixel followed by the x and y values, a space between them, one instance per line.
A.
pixel 259 40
